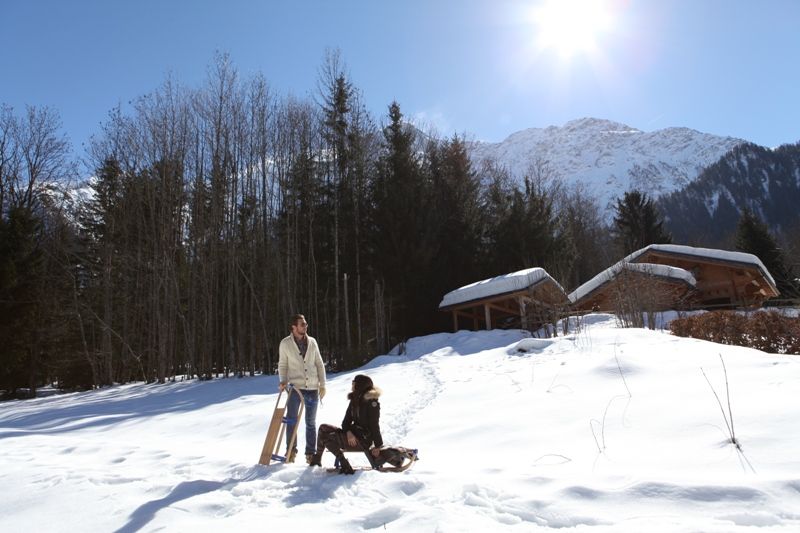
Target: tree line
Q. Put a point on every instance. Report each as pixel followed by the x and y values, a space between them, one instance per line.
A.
pixel 215 213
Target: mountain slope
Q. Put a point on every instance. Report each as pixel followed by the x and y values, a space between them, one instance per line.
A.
pixel 610 158
pixel 602 430
pixel 750 176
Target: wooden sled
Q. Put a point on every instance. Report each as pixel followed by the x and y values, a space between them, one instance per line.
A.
pixel 277 427
pixel 410 457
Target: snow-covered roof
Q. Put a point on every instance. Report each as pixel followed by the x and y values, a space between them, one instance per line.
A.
pixel 663 271
pixel 496 286
pixel 631 260
pixel 707 253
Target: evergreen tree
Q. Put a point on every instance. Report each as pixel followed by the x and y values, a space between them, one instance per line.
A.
pixel 21 267
pixel 495 206
pixel 456 213
pixel 523 225
pixel 456 217
pixel 101 221
pixel 336 93
pixel 637 223
pixel 753 237
pixel 34 162
pixel 403 235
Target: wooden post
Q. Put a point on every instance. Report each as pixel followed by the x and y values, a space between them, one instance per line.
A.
pixel 736 299
pixel 523 316
pixel 488 315
pixel 455 321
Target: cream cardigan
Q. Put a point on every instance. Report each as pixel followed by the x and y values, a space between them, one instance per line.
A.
pixel 304 373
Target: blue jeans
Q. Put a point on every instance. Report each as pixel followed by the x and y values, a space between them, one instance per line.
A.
pixel 311 399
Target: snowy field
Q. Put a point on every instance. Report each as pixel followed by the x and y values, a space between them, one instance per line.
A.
pixel 604 430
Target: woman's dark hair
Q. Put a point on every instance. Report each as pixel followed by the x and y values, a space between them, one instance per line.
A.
pixel 361 384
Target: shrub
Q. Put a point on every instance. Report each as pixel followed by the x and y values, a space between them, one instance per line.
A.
pixel 767 331
pixel 774 333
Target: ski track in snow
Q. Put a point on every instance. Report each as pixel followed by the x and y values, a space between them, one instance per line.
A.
pixel 421 392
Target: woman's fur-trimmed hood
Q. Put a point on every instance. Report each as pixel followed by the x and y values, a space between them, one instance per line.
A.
pixel 373 394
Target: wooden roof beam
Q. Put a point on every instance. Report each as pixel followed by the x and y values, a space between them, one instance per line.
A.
pixel 505 309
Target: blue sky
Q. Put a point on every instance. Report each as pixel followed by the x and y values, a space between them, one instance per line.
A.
pixel 726 67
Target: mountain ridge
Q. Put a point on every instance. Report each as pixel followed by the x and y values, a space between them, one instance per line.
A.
pixel 609 157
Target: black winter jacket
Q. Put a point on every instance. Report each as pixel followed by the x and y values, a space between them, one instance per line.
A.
pixel 363 419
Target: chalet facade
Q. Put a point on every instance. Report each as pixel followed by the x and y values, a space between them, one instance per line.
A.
pixel 676 276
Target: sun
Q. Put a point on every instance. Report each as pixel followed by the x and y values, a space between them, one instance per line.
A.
pixel 571 27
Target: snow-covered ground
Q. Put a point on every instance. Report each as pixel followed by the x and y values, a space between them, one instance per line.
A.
pixel 606 429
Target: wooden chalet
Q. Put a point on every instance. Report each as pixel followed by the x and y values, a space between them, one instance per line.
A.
pixel 504 301
pixel 643 286
pixel 699 277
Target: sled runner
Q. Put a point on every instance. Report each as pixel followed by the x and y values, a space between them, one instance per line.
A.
pixel 396 459
pixel 277 427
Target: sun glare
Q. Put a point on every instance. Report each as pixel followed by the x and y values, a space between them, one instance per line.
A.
pixel 571 27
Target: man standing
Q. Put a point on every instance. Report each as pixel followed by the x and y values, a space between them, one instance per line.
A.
pixel 300 365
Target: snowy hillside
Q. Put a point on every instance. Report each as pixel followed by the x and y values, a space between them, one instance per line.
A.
pixel 603 430
pixel 610 158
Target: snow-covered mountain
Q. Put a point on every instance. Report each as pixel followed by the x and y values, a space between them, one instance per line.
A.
pixel 609 158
